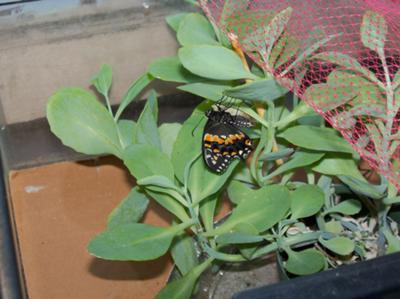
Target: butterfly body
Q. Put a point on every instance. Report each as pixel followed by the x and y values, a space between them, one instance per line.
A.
pixel 223 140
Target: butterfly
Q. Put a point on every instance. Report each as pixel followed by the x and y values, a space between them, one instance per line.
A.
pixel 223 140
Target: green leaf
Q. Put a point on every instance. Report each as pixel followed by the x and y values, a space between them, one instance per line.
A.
pixel 133 242
pixel 127 132
pixel 328 97
pixel 130 210
pixel 207 211
pixel 81 122
pixel 158 180
pixel 263 208
pixel 169 203
pixel 182 288
pixel 204 183
pixel 299 159
pixel 243 233
pixel 309 51
pixel 168 134
pixel 391 200
pixel 258 91
pixel 346 207
pixel 338 164
pixel 362 186
pixel 188 146
pixel 171 69
pixel 237 191
pixel 285 48
pixel 184 253
pixel 341 87
pixel 304 262
pixel 174 20
pixel 306 201
pixel 144 160
pixel 146 130
pixel 224 63
pixel 133 91
pixel 334 227
pixel 314 138
pixel 339 245
pixel 393 242
pixel 195 29
pixel 103 80
pixel 347 62
pixel 211 91
pixel 275 28
pixel 273 156
pixel 373 31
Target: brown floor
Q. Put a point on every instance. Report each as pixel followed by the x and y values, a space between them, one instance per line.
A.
pixel 57 212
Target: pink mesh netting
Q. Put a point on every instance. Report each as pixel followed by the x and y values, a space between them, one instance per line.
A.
pixel 342 57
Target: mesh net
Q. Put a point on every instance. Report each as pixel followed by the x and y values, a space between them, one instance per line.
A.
pixel 341 57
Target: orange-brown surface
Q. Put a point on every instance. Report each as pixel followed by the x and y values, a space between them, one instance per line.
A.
pixel 58 208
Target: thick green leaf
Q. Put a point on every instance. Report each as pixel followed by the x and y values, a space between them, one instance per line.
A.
pixel 328 97
pixel 130 210
pixel 146 129
pixel 314 138
pixel 306 201
pixel 158 180
pixel 174 20
pixel 339 245
pixel 305 262
pixel 262 209
pixel 243 233
pixel 363 187
pixel 188 143
pixel 210 91
pixel 346 207
pixel 275 28
pixel 238 191
pixel 195 29
pixel 145 160
pixel 299 159
pixel 273 156
pixel 259 91
pixel 341 87
pixel 347 62
pixel 184 253
pixel 127 132
pixel 169 203
pixel 168 134
pixel 103 80
pixel 203 182
pixel 171 69
pixel 133 242
pixel 182 288
pixel 81 122
pixel 334 227
pixel 338 164
pixel 207 211
pixel 373 31
pixel 396 80
pixel 224 63
pixel 393 242
pixel 133 91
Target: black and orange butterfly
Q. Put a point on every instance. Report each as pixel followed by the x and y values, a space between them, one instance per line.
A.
pixel 223 140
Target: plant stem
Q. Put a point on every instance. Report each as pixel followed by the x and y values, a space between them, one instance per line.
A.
pixel 391 109
pixel 290 241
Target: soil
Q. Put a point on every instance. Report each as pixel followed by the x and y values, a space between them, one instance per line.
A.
pixel 57 209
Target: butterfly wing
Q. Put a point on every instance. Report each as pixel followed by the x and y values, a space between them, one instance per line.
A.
pixel 223 142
